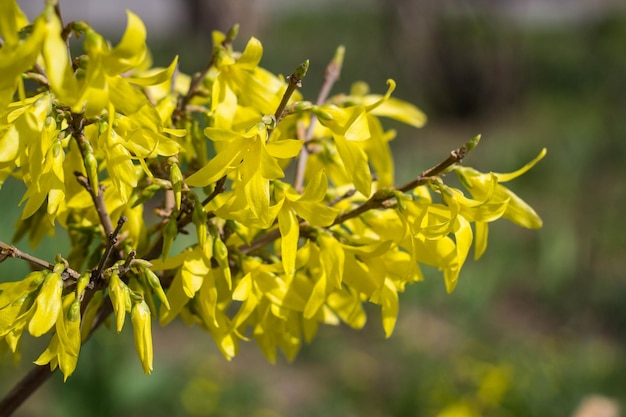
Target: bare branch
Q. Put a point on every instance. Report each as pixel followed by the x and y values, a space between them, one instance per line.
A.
pixel 9 251
pixel 196 80
pixel 23 389
pixel 294 82
pixel 331 76
pixel 111 242
pixel 380 199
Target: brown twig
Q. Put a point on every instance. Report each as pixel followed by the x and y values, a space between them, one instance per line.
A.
pixel 9 251
pixel 198 78
pixel 111 242
pixel 380 198
pixel 77 123
pixel 219 188
pixel 331 76
pixel 39 374
pixel 23 389
pixel 294 82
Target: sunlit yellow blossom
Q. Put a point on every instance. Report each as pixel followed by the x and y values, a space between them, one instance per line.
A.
pixel 142 329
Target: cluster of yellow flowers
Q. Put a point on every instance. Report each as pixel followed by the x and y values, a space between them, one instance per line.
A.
pixel 98 136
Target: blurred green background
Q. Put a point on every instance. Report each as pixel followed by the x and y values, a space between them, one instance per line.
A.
pixel 535 328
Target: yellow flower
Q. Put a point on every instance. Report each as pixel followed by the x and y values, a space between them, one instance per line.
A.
pixel 488 188
pixel 141 319
pixel 47 304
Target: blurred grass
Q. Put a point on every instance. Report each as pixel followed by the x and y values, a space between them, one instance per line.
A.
pixel 533 327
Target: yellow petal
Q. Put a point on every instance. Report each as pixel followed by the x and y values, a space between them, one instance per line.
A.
pixel 512 175
pixel 131 50
pixel 289 231
pixel 48 304
pixel 142 330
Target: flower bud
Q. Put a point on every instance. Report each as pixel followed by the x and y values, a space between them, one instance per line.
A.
pixel 169 234
pixel 141 320
pixel 321 114
pixel 91 165
pixel 120 299
pixel 155 283
pixel 176 177
pixel 199 219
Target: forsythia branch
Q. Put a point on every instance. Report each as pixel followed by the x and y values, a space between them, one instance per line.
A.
pixel 331 76
pixel 379 199
pixel 10 251
pixel 198 78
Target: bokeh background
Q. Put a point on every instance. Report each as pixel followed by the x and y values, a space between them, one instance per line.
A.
pixel 537 327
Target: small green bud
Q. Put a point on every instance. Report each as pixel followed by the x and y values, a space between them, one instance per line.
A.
pixel 339 55
pixel 302 106
pixel 141 263
pixel 155 283
pixel 146 194
pixel 57 148
pixel 320 113
pixel 176 177
pixel 169 234
pixel 269 120
pixel 79 27
pixel 120 299
pixel 301 71
pixel 232 33
pixel 199 219
pixel 82 61
pixel 473 143
pixel 82 283
pixel 91 165
pixel 73 314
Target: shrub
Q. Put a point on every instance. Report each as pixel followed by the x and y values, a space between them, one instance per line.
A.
pixel 291 207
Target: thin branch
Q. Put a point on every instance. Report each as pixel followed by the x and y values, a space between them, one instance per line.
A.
pixel 342 197
pixel 39 374
pixel 381 196
pixel 198 78
pixel 219 188
pixel 77 123
pixel 380 199
pixel 38 77
pixel 111 242
pixel 331 76
pixel 9 251
pixel 23 389
pixel 294 82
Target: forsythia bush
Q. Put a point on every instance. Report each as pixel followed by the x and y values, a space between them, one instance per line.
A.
pixel 290 206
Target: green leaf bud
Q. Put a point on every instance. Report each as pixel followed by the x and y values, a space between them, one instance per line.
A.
pixel 176 177
pixel 169 234
pixel 91 165
pixel 321 114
